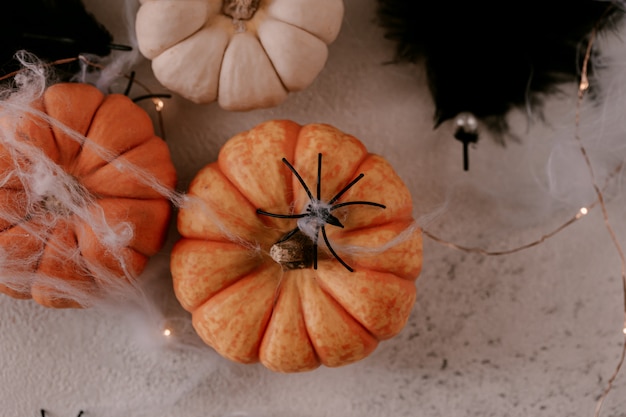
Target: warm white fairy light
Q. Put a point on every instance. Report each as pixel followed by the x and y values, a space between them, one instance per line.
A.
pixel 583 211
pixel 167 332
pixel 158 104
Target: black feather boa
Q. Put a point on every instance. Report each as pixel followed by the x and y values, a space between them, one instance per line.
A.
pixel 51 30
pixel 489 57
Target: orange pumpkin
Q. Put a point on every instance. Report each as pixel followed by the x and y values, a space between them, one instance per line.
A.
pixel 289 257
pixel 67 202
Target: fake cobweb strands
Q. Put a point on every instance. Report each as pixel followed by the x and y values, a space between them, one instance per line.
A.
pixel 110 157
pixel 42 178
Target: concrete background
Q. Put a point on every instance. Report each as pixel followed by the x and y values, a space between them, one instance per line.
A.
pixel 534 333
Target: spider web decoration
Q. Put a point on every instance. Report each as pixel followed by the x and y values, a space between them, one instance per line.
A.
pixel 317 213
pixel 51 219
pixel 488 58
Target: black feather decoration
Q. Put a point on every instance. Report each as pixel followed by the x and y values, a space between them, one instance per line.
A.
pixel 490 57
pixel 51 30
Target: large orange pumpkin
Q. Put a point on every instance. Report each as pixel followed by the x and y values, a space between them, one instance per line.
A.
pixel 289 256
pixel 66 203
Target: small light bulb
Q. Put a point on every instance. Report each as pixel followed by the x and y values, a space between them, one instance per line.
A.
pixel 582 212
pixel 167 332
pixel 624 330
pixel 584 84
pixel 158 104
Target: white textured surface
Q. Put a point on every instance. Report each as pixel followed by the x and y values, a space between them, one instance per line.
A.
pixel 536 333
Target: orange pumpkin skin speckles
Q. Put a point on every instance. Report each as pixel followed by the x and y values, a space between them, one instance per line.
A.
pixel 56 236
pixel 251 308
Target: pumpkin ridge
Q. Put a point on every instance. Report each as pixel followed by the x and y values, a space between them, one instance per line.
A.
pixel 257 269
pixel 306 327
pixel 341 311
pixel 177 253
pixel 48 232
pixel 297 27
pixel 308 335
pixel 247 200
pixel 357 165
pixel 339 305
pixel 86 272
pixel 68 166
pixel 107 162
pixel 17 223
pixel 350 177
pixel 354 315
pixel 37 119
pixel 241 192
pixel 267 335
pixel 219 70
pixel 112 100
pixel 269 58
pixel 287 176
pixel 25 221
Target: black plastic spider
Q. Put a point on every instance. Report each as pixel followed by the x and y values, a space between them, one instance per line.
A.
pixel 43 413
pixel 318 213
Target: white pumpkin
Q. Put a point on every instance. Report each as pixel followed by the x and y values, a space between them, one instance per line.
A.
pixel 245 54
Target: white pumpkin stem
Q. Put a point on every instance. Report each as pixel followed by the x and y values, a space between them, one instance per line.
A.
pixel 240 9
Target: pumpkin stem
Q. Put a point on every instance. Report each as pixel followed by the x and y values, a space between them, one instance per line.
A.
pixel 294 251
pixel 240 9
pixel 61 205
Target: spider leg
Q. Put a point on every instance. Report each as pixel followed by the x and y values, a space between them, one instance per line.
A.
pixel 346 188
pixel 317 231
pixel 288 235
pixel 281 216
pixel 350 203
pixel 293 170
pixel 330 248
pixel 319 176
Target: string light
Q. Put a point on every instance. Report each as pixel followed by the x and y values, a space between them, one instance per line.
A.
pixel 583 211
pixel 167 332
pixel 158 104
pixel 582 88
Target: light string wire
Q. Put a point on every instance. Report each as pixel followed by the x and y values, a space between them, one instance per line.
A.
pixel 582 88
pixel 471 249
